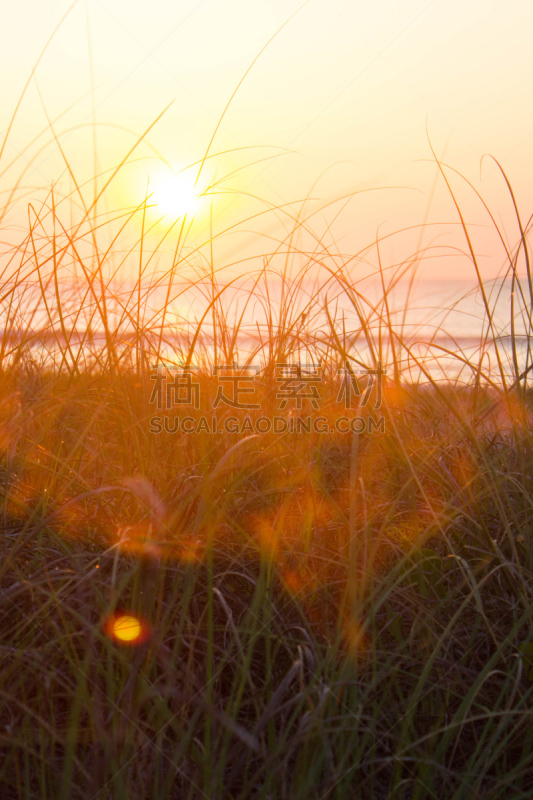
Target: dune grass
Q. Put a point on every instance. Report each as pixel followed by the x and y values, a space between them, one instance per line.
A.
pixel 328 614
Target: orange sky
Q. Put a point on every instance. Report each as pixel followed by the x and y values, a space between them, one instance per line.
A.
pixel 348 87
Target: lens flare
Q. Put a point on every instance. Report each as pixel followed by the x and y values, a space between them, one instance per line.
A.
pixel 127 628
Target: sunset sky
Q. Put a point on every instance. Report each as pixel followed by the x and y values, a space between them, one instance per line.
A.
pixel 347 87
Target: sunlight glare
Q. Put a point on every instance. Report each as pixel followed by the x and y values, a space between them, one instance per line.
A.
pixel 177 195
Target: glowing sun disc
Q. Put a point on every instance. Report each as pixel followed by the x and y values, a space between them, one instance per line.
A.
pixel 176 195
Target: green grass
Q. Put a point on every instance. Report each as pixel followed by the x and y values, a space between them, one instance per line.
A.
pixel 326 622
pixel 331 615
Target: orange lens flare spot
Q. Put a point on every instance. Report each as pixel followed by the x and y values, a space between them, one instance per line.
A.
pixel 296 580
pixel 139 540
pixel 127 629
pixel 357 640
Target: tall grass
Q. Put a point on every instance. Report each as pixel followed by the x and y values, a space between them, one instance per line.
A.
pixel 332 615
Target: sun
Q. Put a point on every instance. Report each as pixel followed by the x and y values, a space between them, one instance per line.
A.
pixel 177 195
